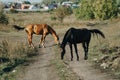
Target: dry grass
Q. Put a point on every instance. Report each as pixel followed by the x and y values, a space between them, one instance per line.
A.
pixel 12 55
pixel 110 29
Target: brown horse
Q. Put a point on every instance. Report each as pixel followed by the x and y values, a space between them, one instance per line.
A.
pixel 38 29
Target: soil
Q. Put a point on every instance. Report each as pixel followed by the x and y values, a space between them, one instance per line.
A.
pixel 42 68
pixel 84 68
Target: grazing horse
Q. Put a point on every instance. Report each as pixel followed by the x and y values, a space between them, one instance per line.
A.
pixel 74 36
pixel 39 29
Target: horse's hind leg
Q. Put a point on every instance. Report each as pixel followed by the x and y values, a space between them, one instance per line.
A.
pixel 75 45
pixel 71 51
pixel 85 46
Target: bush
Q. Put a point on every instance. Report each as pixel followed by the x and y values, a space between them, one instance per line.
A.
pixel 53 18
pixel 3 18
pixel 105 9
pixel 98 9
pixel 62 11
pixel 13 11
pixel 85 11
pixel 11 56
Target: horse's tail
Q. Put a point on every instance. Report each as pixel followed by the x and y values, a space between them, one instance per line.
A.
pixel 96 31
pixel 18 27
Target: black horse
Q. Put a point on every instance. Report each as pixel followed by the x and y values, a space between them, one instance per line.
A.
pixel 74 36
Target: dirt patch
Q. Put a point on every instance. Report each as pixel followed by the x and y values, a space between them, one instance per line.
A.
pixel 84 68
pixel 42 68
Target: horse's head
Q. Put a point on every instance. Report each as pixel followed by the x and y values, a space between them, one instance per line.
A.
pixel 57 40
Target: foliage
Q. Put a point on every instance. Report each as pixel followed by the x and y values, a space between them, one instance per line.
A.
pixel 85 10
pixel 53 18
pixel 118 3
pixel 62 11
pixel 105 9
pixel 98 9
pixel 12 55
pixel 51 1
pixel 59 1
pixel 13 11
pixel 3 18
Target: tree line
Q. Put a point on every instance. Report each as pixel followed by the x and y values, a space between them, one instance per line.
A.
pixel 89 9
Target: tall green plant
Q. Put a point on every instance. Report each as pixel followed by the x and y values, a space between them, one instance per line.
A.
pixel 85 10
pixel 3 17
pixel 98 9
pixel 62 11
pixel 105 9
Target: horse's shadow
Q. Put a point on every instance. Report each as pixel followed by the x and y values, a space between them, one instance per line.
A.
pixel 48 46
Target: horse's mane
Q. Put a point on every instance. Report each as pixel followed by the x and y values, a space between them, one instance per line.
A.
pixel 66 36
pixel 51 30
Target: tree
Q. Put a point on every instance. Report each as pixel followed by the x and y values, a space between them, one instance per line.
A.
pixel 98 9
pixel 63 11
pixel 105 9
pixel 3 17
pixel 85 11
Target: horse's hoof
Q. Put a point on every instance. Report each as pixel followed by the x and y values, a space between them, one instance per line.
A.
pixel 61 58
pixel 39 46
pixel 85 58
pixel 78 59
pixel 71 59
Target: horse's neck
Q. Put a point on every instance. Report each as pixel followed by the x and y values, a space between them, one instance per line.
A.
pixel 64 43
pixel 53 33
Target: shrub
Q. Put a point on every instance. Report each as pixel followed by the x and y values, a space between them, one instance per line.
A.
pixel 85 11
pixel 105 9
pixel 3 18
pixel 62 11
pixel 53 18
pixel 14 51
pixel 11 56
pixel 98 9
pixel 13 11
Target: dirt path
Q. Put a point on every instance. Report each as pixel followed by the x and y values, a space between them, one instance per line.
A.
pixel 42 69
pixel 86 70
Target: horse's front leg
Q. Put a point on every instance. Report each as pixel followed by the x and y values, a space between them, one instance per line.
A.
pixel 42 41
pixel 30 40
pixel 75 45
pixel 71 51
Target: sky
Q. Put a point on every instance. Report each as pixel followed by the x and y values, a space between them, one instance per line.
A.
pixel 21 0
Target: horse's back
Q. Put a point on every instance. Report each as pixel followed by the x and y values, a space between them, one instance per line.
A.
pixel 36 28
pixel 78 35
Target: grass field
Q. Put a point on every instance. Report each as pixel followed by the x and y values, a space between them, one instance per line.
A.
pixel 99 48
